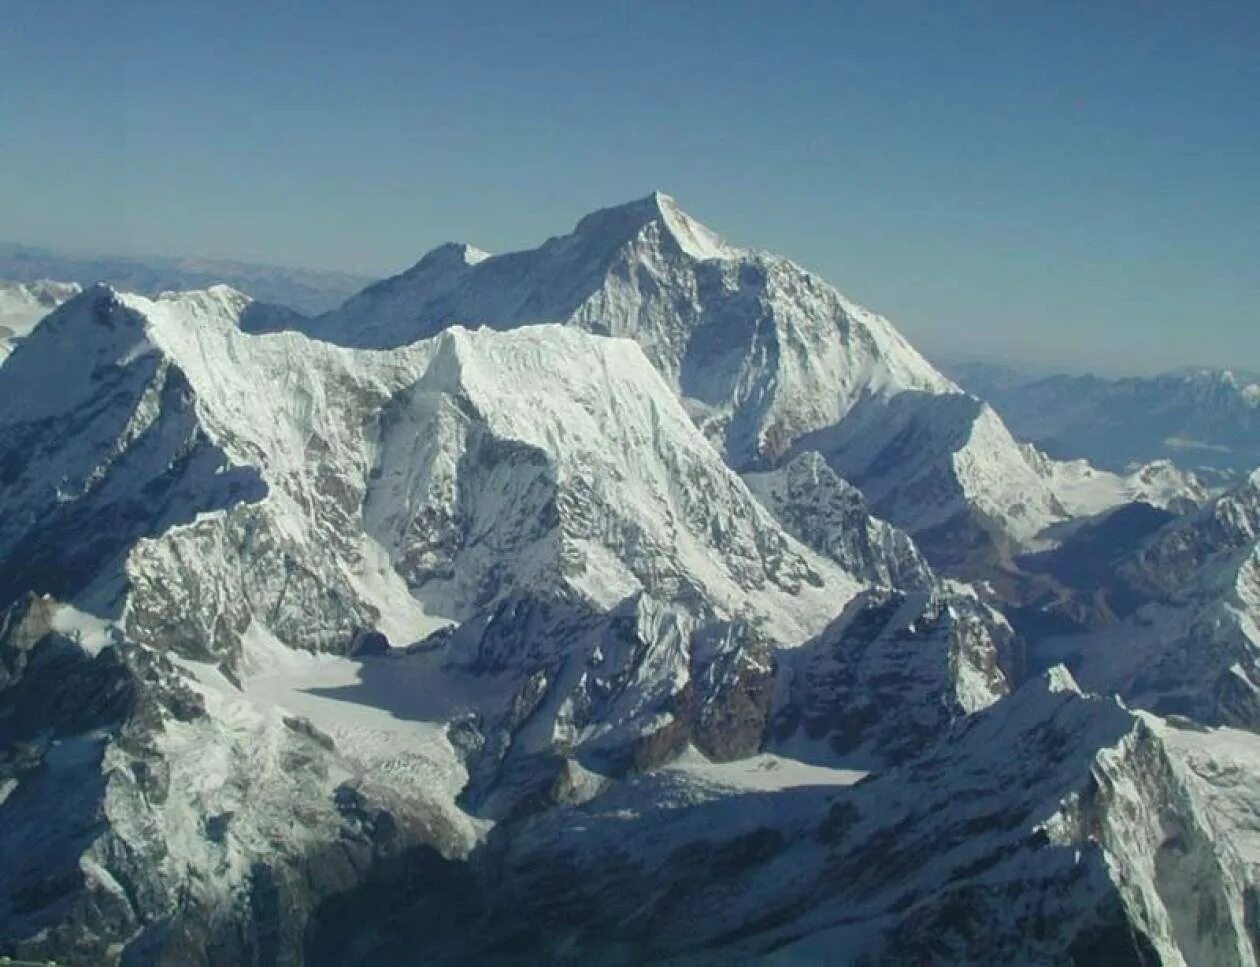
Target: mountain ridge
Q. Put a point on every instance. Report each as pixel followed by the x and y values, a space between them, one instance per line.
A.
pixel 763 352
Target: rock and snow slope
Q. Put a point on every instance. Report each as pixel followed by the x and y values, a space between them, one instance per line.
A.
pixel 154 816
pixel 1054 827
pixel 830 515
pixel 1191 645
pixel 769 359
pixel 313 488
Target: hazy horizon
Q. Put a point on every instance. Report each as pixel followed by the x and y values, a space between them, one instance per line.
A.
pixel 1058 186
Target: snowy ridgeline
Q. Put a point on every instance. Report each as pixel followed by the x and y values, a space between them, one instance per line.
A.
pixel 578 630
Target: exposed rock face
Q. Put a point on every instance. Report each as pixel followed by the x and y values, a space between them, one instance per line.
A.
pixel 830 515
pixel 1052 827
pixel 149 816
pixel 608 692
pixel 1188 644
pixel 892 673
pixel 905 659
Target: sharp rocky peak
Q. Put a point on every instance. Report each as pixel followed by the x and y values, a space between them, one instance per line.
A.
pixel 654 220
pixel 450 255
pixel 624 223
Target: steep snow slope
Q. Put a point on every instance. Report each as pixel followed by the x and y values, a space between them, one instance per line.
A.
pixel 769 359
pixel 588 437
pixel 229 477
pixel 23 304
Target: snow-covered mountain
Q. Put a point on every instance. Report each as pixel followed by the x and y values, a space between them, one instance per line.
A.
pixel 23 304
pixel 1189 597
pixel 598 632
pixel 455 464
pixel 770 360
pixel 1202 419
pixel 589 589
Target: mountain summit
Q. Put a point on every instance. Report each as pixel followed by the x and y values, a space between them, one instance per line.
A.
pixel 658 213
pixel 769 359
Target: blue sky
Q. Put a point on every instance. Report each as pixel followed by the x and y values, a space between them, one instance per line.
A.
pixel 1060 182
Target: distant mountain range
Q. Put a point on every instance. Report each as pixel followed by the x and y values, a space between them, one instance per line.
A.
pixel 305 290
pixel 1201 419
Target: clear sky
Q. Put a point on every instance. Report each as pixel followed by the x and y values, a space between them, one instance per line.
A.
pixel 1061 182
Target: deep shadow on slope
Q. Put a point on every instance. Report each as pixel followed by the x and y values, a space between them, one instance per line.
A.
pixel 931 862
pixel 168 476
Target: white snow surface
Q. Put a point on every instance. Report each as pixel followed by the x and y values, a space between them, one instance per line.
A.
pixel 606 425
pixel 765 772
pixel 764 353
pixel 1085 490
pixel 392 726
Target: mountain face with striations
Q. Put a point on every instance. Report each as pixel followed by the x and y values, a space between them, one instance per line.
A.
pixel 599 631
pixel 769 359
